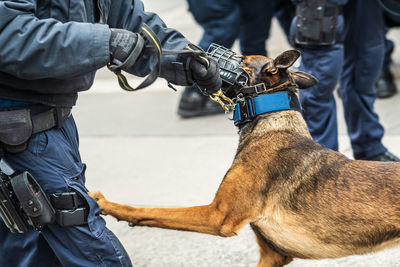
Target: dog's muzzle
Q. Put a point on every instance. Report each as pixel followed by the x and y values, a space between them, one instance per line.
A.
pixel 231 73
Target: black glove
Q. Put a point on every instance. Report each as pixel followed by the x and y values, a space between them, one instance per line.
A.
pixel 125 48
pixel 204 72
pixel 192 68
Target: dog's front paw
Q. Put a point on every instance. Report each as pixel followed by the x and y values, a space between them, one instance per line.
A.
pixel 101 200
pixel 98 196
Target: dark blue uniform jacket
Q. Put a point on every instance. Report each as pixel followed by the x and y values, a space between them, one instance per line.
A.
pixel 50 49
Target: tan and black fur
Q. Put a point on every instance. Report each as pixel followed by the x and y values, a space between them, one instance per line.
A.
pixel 301 199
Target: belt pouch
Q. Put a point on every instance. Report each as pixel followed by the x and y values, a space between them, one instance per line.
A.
pixel 15 129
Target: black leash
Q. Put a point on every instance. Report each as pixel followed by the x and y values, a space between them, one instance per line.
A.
pixel 154 49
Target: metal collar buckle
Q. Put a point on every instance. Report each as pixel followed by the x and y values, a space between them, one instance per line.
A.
pixel 260 88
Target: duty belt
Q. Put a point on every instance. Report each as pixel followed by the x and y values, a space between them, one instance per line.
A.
pixel 48 119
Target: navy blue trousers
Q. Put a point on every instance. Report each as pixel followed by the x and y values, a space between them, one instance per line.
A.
pixel 52 157
pixel 224 21
pixel 355 63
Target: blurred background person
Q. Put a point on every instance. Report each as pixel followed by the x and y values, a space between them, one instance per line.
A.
pixel 224 21
pixel 342 41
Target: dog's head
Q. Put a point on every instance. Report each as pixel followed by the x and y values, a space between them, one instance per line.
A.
pixel 274 72
pixel 262 85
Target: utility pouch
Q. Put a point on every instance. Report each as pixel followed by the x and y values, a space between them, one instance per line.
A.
pixel 23 203
pixel 15 129
pixel 33 200
pixel 316 23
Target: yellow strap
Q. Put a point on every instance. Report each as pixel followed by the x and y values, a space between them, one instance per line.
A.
pixel 203 58
pixel 154 39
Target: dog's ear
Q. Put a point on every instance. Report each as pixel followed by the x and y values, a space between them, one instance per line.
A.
pixel 302 79
pixel 286 59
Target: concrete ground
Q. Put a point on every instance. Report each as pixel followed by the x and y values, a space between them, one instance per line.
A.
pixel 139 152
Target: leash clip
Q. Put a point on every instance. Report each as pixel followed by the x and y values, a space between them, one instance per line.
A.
pixel 226 103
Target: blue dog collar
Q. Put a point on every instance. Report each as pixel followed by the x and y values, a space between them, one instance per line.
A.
pixel 251 107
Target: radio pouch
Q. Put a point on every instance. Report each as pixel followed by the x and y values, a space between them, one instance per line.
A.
pixel 33 201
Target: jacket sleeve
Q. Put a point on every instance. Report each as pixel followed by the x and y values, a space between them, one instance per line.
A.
pixel 33 48
pixel 129 15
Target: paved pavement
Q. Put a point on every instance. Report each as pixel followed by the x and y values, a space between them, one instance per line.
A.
pixel 139 152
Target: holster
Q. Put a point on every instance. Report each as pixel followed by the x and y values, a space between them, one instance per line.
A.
pixel 10 211
pixel 316 23
pixel 22 201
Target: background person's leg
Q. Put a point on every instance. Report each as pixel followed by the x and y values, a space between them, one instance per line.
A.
pixel 256 23
pixel 318 103
pixel 364 52
pixel 220 20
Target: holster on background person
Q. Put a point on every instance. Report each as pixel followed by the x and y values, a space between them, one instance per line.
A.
pixel 316 23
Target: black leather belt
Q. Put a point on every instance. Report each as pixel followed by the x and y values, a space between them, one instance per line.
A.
pixel 48 119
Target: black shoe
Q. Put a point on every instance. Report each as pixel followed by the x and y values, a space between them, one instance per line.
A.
pixel 195 104
pixel 385 86
pixel 385 156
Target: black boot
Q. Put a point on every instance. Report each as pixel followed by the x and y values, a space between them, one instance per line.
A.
pixel 385 156
pixel 385 86
pixel 194 104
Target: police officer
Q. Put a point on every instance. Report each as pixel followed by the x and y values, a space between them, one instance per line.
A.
pixel 224 21
pixel 50 51
pixel 342 40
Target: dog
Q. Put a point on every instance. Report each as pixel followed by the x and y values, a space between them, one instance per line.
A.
pixel 302 200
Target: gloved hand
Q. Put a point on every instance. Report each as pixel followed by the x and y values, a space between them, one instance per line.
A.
pixel 204 71
pixel 125 48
